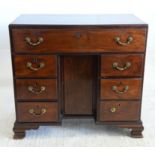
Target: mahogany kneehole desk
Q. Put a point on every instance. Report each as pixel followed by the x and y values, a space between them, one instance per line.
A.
pixel 78 66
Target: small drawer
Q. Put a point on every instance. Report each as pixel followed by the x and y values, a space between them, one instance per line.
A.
pixel 36 89
pixel 122 65
pixel 118 39
pixel 120 89
pixel 48 40
pixel 37 112
pixel 119 111
pixel 35 66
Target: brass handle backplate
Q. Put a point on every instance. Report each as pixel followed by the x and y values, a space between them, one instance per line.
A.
pixel 30 66
pixel 39 41
pixel 128 41
pixel 37 113
pixel 36 90
pixel 113 109
pixel 115 65
pixel 115 89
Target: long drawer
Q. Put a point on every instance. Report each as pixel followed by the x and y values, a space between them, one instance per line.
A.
pixel 78 40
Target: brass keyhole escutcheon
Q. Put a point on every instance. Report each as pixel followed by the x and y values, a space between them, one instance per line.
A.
pixel 78 35
pixel 113 109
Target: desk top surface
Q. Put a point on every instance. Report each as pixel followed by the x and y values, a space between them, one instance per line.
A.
pixel 78 19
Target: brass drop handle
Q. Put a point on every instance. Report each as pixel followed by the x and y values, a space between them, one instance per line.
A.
pixel 41 112
pixel 128 41
pixel 36 91
pixel 115 65
pixel 39 41
pixel 115 89
pixel 113 109
pixel 30 66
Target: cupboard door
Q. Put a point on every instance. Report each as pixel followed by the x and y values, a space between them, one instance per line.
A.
pixel 78 84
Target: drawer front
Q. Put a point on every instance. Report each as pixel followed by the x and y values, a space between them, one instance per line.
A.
pixel 119 111
pixel 36 89
pixel 118 39
pixel 37 112
pixel 35 66
pixel 79 40
pixel 48 40
pixel 121 65
pixel 120 89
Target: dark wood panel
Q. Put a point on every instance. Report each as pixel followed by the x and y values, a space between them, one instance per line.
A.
pixel 124 89
pixel 79 40
pixel 38 112
pixel 35 66
pixel 122 65
pixel 78 84
pixel 119 111
pixel 36 89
